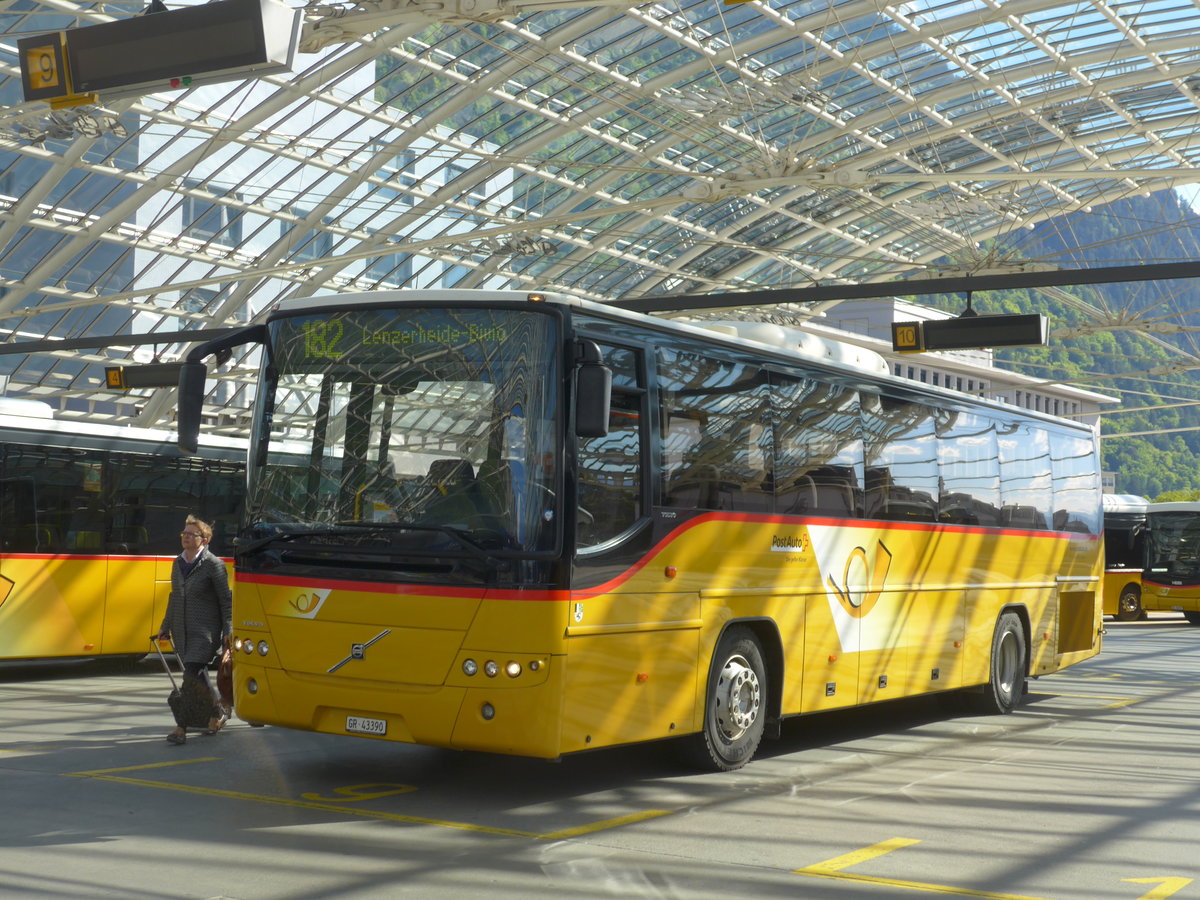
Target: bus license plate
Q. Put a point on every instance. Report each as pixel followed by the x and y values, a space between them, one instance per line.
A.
pixel 359 725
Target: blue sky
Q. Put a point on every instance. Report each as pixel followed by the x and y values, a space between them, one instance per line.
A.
pixel 1191 193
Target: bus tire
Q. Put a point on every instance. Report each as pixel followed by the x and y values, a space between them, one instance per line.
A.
pixel 1008 668
pixel 735 703
pixel 1129 604
pixel 1192 617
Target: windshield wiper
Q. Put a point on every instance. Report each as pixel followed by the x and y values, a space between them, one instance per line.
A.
pixel 243 546
pixel 457 534
pixel 246 546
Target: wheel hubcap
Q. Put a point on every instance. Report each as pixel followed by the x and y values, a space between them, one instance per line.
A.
pixel 1006 668
pixel 737 698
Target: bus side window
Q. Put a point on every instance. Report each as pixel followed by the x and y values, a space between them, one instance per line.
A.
pixel 968 468
pixel 1026 486
pixel 818 447
pixel 716 450
pixel 610 474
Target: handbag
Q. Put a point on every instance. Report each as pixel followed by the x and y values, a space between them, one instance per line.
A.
pixel 225 677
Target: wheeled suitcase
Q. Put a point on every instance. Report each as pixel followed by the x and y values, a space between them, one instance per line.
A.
pixel 191 701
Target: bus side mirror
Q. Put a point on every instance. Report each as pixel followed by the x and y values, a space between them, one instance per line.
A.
pixel 593 398
pixel 192 376
pixel 593 392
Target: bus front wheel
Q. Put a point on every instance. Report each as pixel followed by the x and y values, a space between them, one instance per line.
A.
pixel 735 703
pixel 1008 668
pixel 1129 604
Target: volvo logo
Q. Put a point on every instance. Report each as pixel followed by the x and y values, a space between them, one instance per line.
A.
pixel 359 651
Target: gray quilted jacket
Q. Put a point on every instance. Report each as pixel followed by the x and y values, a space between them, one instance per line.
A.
pixel 200 610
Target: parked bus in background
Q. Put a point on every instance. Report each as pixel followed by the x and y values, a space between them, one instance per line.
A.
pixel 1171 580
pixel 89 524
pixel 530 524
pixel 1124 555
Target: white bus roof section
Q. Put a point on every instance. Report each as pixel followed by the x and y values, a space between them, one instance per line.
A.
pixel 1124 503
pixel 1182 506
pixel 809 346
pixel 605 150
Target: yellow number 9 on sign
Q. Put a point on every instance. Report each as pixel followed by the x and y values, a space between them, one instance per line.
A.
pixel 43 67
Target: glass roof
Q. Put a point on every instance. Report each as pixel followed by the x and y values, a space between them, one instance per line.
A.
pixel 609 151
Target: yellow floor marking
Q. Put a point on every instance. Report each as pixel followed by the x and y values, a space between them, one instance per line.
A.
pixel 108 775
pixel 1119 701
pixel 157 765
pixel 860 856
pixel 1166 886
pixel 604 824
pixel 831 868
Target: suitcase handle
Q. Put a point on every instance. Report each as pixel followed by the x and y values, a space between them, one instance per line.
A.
pixel 158 650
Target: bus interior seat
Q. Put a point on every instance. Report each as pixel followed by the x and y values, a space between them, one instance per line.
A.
pixel 83 540
pixel 698 487
pixel 493 481
pixel 132 536
pixel 1023 517
pixel 909 510
pixel 804 495
pixel 449 475
pixel 35 539
pixel 834 490
pixel 455 498
pixel 958 514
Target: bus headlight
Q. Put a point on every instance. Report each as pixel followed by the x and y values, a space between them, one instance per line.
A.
pixel 470 667
pixel 491 668
pixel 248 646
pixel 512 669
pixel 262 648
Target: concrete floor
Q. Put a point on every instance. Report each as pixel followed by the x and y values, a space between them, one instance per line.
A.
pixel 1090 791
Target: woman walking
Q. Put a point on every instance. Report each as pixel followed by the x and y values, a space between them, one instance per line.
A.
pixel 199 614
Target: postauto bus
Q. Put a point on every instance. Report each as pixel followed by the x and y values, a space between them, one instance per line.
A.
pixel 531 524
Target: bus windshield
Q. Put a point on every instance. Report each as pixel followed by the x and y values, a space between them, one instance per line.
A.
pixel 1174 546
pixel 412 428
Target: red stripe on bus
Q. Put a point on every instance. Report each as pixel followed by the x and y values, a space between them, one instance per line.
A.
pixel 558 595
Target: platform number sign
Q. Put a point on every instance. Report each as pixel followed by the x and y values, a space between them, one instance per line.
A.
pixel 906 337
pixel 43 67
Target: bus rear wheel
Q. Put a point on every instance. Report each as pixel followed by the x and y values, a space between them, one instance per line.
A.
pixel 1008 668
pixel 735 703
pixel 1129 604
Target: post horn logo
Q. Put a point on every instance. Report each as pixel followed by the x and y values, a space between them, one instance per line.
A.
pixel 862 580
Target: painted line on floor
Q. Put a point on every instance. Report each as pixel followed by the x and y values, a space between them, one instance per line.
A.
pixel 833 868
pixel 113 775
pixel 1117 703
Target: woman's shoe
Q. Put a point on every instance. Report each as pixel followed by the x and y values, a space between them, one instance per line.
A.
pixel 216 724
pixel 178 736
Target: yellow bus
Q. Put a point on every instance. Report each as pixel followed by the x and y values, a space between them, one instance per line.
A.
pixel 89 524
pixel 1124 555
pixel 1171 580
pixel 530 524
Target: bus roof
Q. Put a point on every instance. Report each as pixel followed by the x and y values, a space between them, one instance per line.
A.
pixel 784 340
pixel 1123 503
pixel 1183 506
pixel 84 434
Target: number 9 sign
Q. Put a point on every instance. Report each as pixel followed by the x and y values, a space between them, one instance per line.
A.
pixel 43 71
